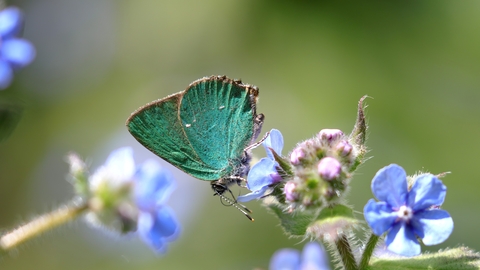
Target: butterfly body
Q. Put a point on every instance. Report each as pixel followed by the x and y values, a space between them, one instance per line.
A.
pixel 205 130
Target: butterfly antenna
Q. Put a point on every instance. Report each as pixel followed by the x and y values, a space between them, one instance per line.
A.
pixel 257 143
pixel 240 207
pixel 233 196
pixel 239 204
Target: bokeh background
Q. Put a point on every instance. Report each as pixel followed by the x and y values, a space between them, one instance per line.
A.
pixel 99 60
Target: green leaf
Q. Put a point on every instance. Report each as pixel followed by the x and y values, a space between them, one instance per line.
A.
pixel 456 258
pixel 359 132
pixel 10 114
pixel 283 163
pixel 332 220
pixel 336 211
pixel 294 223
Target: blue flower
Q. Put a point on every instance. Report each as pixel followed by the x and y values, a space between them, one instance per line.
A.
pixel 407 214
pixel 156 222
pixel 125 198
pixel 313 257
pixel 264 173
pixel 15 53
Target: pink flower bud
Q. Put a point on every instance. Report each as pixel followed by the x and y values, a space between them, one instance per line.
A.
pixel 344 148
pixel 297 155
pixel 289 191
pixel 329 168
pixel 330 135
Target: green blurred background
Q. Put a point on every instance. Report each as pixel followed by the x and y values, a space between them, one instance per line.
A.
pixel 99 60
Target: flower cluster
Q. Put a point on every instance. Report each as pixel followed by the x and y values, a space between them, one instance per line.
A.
pixel 322 166
pixel 316 176
pixel 15 53
pixel 407 213
pixel 316 173
pixel 126 199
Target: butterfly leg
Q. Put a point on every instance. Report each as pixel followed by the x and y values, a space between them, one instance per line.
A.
pixel 257 126
pixel 255 145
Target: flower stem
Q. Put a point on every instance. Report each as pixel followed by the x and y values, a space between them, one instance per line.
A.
pixel 41 224
pixel 345 251
pixel 367 253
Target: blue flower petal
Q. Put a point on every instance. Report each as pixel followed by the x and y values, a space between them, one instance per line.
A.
pixel 6 75
pixel 144 227
pixel 314 257
pixel 285 259
pixel 18 52
pixel 274 141
pixel 165 224
pixel 11 22
pixel 390 185
pixel 120 164
pixel 252 195
pixel 158 228
pixel 259 176
pixel 379 216
pixel 433 226
pixel 402 240
pixel 427 191
pixel 153 185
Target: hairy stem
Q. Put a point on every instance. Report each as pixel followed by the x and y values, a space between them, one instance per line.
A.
pixel 367 253
pixel 41 224
pixel 345 251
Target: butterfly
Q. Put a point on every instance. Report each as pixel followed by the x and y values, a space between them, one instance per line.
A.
pixel 207 131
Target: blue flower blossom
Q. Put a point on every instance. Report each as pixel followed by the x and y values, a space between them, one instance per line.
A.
pixel 15 53
pixel 156 222
pixel 264 173
pixel 313 257
pixel 125 198
pixel 408 214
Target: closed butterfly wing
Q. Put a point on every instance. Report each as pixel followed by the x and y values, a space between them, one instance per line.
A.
pixel 157 127
pixel 202 130
pixel 218 115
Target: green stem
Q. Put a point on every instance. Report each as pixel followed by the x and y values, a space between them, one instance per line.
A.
pixel 345 251
pixel 367 253
pixel 41 224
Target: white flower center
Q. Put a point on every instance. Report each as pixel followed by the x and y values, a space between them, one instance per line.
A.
pixel 405 213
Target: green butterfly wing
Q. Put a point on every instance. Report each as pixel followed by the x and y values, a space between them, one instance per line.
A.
pixel 157 127
pixel 202 130
pixel 220 119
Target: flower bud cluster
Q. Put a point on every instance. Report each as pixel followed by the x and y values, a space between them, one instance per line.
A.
pixel 322 167
pixel 125 198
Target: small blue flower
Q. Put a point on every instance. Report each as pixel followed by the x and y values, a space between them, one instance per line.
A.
pixel 264 173
pixel 156 222
pixel 15 53
pixel 407 214
pixel 125 198
pixel 313 257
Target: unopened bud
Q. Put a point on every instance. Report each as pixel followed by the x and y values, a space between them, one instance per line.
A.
pixel 330 135
pixel 329 168
pixel 297 155
pixel 289 191
pixel 344 148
